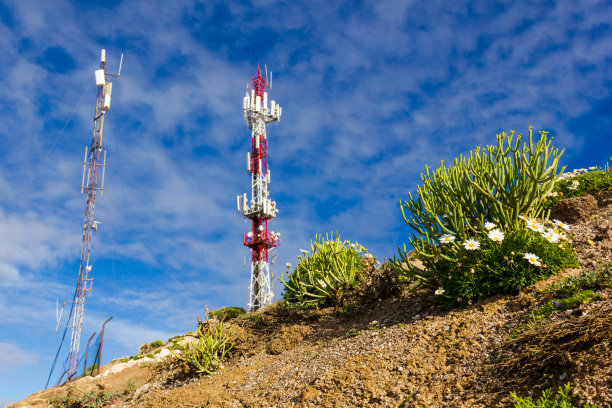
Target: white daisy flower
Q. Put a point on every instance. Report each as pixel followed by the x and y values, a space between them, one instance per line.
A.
pixel 304 251
pixel 447 239
pixel 534 225
pixel 471 245
pixel 561 225
pixel 593 168
pixel 553 194
pixel 322 284
pixel 574 185
pixel 496 235
pixel 533 259
pixel 489 226
pixel 551 236
pixel 439 291
pixel 288 265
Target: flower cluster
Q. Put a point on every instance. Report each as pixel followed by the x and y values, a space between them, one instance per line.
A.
pixel 552 231
pixel 574 185
pixel 574 173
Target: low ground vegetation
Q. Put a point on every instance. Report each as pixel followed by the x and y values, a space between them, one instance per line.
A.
pixel 92 399
pixel 205 354
pixel 462 316
pixel 325 275
pixel 563 399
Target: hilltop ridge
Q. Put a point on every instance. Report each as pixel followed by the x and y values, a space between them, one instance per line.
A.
pixel 396 349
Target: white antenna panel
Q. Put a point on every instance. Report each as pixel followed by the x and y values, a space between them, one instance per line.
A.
pixel 272 106
pixel 238 202
pixel 103 55
pixel 252 98
pixel 257 142
pixel 107 101
pixel 265 101
pixel 248 161
pixel 100 81
pixel 245 102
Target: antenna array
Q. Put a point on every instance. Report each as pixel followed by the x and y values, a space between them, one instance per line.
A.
pixel 260 209
pixel 93 169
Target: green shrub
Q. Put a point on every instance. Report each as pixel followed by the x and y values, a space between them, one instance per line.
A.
pixel 593 279
pixel 498 263
pixel 156 343
pixel 227 313
pixel 206 353
pixel 544 311
pixel 563 399
pixel 578 183
pixel 92 399
pixel 91 369
pixel 494 184
pixel 324 276
pixel 484 200
pixel 568 294
pixel 130 385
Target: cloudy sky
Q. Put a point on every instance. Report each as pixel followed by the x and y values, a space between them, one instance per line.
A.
pixel 372 91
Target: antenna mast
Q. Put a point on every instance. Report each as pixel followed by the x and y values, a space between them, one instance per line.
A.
pixel 260 209
pixel 91 166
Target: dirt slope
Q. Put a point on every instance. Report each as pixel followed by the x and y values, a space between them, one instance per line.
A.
pixel 397 351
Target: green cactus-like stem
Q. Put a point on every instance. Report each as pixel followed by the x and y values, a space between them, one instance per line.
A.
pixel 496 184
pixel 325 274
pixel 205 354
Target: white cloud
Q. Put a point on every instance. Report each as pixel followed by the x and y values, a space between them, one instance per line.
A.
pixel 33 239
pixel 13 358
pixel 129 334
pixel 8 272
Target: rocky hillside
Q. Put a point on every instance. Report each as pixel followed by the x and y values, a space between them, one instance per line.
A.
pixel 393 349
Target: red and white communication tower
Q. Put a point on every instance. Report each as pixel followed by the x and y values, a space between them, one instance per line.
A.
pixel 91 170
pixel 260 209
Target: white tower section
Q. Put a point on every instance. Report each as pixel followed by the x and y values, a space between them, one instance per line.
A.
pixel 259 209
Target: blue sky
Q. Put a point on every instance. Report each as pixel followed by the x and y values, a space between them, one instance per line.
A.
pixel 372 91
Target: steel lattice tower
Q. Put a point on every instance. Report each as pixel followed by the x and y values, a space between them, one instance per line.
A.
pixel 260 209
pixel 91 166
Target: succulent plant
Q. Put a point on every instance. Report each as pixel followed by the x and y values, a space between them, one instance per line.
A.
pixel 493 184
pixel 325 273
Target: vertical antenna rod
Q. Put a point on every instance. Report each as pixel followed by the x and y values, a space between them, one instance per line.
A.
pixel 91 170
pixel 260 209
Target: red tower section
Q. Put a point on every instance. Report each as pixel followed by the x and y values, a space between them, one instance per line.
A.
pixel 260 209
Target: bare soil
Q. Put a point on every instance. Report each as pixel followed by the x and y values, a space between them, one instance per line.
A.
pixel 394 349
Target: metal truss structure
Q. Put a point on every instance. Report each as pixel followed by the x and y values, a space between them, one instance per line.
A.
pixel 260 209
pixel 93 170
